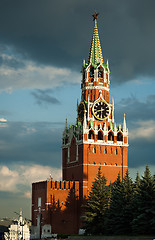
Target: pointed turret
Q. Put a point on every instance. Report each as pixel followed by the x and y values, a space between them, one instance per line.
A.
pixel 124 124
pixel 88 109
pixel 95 54
pixel 107 63
pixel 66 124
pixel 113 110
pixel 21 217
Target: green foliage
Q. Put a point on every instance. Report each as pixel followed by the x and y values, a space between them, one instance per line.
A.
pixel 123 207
pixel 97 204
pixel 118 217
pixel 144 203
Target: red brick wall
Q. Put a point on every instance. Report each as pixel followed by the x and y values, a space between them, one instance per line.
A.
pixel 60 205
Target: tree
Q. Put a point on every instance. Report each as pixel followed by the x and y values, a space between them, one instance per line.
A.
pixel 96 206
pixel 144 202
pixel 127 197
pixel 112 216
pixel 119 216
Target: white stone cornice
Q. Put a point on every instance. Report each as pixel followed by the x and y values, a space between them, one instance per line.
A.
pixel 96 87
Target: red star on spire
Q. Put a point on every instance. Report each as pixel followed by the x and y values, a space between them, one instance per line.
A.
pixel 95 16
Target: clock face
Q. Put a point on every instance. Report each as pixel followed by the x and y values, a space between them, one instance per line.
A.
pixel 80 111
pixel 101 110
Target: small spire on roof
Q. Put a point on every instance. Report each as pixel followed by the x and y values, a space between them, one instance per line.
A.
pixel 124 124
pixel 66 124
pixel 107 63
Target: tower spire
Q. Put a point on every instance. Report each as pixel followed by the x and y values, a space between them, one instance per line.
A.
pixel 124 124
pixel 95 54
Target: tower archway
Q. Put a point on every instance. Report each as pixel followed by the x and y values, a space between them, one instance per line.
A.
pixel 110 136
pixel 100 135
pixel 91 134
pixel 100 72
pixel 119 136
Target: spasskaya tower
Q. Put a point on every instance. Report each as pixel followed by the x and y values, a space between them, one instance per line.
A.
pixel 95 140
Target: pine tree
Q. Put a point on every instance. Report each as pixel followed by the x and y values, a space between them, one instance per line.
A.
pixel 97 205
pixel 126 214
pixel 112 217
pixel 144 202
pixel 119 217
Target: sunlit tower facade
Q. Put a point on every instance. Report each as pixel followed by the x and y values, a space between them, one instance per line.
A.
pixel 95 140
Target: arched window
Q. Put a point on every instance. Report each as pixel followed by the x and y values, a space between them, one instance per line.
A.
pixel 94 150
pixel 105 151
pixel 91 72
pixel 66 140
pixel 110 136
pixel 100 72
pixel 91 134
pixel 119 137
pixel 100 135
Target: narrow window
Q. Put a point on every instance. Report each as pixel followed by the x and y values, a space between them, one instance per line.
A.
pixel 39 202
pixel 83 75
pixel 100 135
pixel 91 72
pixel 119 137
pixel 110 136
pixel 91 134
pixel 66 140
pixel 116 151
pixel 100 72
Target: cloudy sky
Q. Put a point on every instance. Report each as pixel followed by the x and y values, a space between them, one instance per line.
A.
pixel 42 45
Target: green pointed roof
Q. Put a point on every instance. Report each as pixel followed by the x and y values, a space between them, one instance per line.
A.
pixel 95 54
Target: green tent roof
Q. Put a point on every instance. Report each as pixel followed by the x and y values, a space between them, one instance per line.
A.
pixel 95 54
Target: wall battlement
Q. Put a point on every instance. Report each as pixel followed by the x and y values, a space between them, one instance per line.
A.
pixel 64 185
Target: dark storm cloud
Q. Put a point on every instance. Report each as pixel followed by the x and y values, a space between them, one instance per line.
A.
pixel 44 97
pixel 141 153
pixel 26 143
pixel 135 109
pixel 140 115
pixel 11 61
pixel 59 33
